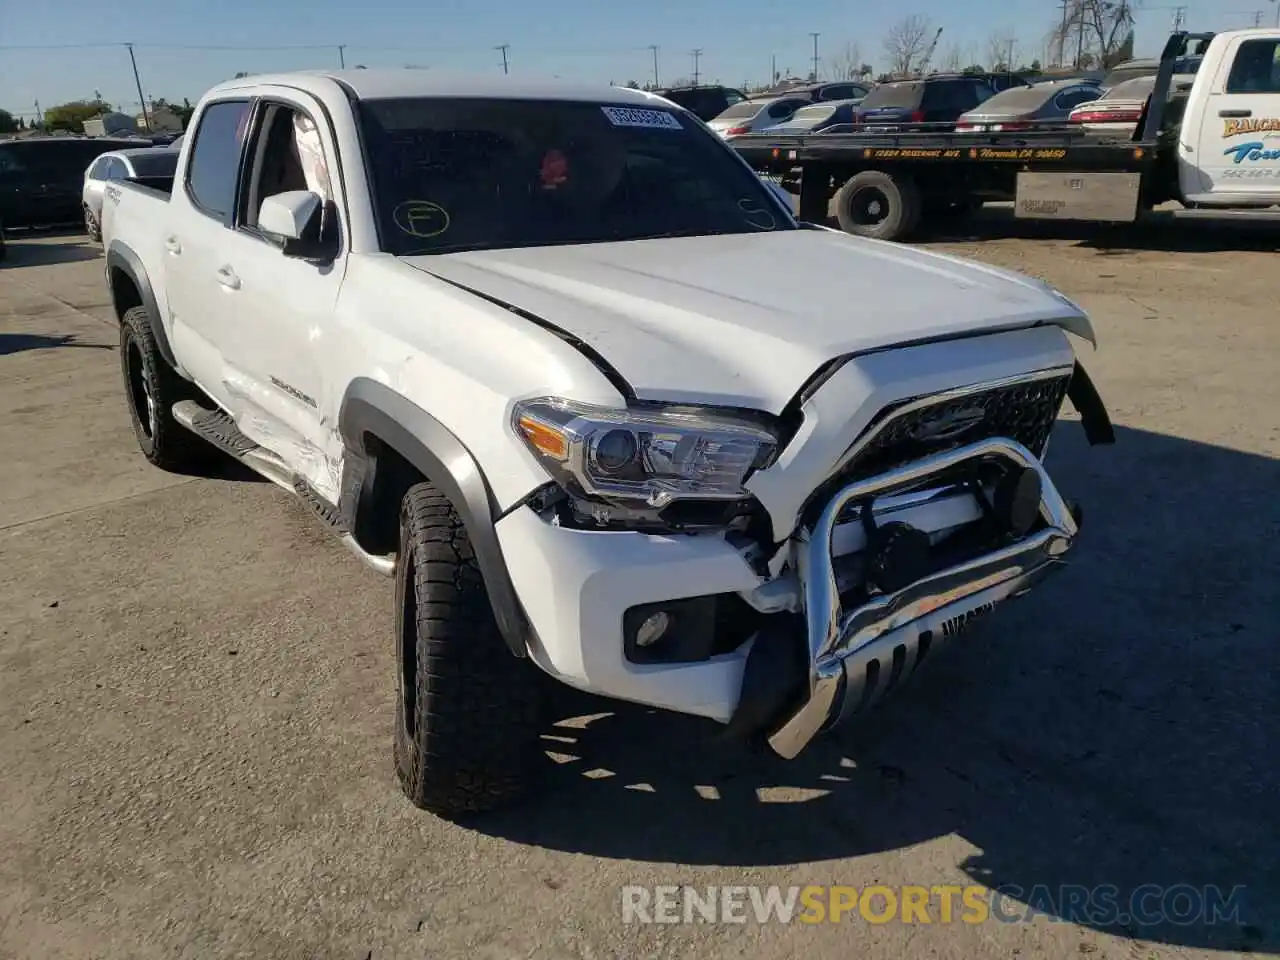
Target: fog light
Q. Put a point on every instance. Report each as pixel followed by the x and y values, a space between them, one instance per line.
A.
pixel 651 630
pixel 1016 499
pixel 898 556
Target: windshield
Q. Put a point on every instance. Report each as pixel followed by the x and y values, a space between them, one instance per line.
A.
pixel 472 174
pixel 1018 100
pixel 1139 88
pixel 808 116
pixel 895 95
pixel 743 109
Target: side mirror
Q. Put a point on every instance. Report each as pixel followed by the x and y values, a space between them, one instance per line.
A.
pixel 296 219
pixel 292 215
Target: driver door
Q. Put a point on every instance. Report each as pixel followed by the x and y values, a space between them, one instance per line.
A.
pixel 285 305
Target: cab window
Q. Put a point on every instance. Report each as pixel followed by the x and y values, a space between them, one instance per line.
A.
pixel 1256 68
pixel 215 157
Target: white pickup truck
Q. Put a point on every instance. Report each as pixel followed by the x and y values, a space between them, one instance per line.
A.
pixel 557 360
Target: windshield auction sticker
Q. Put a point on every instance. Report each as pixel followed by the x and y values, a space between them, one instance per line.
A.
pixel 631 117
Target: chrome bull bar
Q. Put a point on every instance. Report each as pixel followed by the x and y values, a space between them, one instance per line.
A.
pixel 843 645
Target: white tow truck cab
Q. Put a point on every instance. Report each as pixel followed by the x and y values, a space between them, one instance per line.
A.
pixel 1211 141
pixel 557 360
pixel 1228 140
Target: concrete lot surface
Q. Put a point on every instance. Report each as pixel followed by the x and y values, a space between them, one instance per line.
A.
pixel 196 689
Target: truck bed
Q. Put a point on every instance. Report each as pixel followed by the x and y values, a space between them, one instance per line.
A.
pixel 1052 146
pixel 160 186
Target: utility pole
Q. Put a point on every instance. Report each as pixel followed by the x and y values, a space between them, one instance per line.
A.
pixel 39 117
pixel 342 57
pixel 1179 18
pixel 504 47
pixel 773 69
pixel 697 54
pixel 654 48
pixel 815 56
pixel 1257 18
pixel 1062 37
pixel 146 117
pixel 1080 41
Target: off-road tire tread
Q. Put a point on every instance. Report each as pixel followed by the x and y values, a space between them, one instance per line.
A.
pixel 476 740
pixel 171 446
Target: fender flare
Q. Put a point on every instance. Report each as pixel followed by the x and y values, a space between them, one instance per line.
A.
pixel 121 257
pixel 373 409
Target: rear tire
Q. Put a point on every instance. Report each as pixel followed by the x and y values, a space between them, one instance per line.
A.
pixel 91 226
pixel 151 389
pixel 876 204
pixel 467 710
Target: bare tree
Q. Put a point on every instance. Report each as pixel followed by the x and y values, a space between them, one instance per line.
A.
pixel 846 64
pixel 1093 31
pixel 906 42
pixel 953 59
pixel 1000 47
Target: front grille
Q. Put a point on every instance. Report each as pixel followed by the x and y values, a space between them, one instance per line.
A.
pixel 909 430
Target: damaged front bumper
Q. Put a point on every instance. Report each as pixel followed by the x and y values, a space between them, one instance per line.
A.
pixel 856 655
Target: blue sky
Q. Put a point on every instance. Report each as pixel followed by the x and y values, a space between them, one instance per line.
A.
pixel 570 38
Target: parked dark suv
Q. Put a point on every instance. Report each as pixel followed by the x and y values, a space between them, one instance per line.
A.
pixel 705 103
pixel 41 179
pixel 931 103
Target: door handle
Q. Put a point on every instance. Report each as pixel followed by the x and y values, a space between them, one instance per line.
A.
pixel 173 246
pixel 1235 113
pixel 227 277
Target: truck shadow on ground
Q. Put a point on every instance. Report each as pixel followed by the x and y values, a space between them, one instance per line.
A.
pixel 73 246
pixel 20 342
pixel 1161 233
pixel 1118 727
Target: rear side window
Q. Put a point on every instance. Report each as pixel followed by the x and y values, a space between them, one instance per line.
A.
pixel 1256 68
pixel 908 95
pixel 215 157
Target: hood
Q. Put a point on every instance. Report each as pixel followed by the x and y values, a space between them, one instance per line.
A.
pixel 745 320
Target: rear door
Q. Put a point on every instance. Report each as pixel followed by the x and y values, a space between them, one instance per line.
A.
pixel 1239 142
pixel 201 295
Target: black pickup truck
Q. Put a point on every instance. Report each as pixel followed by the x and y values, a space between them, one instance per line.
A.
pixel 884 183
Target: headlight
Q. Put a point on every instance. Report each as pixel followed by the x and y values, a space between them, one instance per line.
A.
pixel 650 457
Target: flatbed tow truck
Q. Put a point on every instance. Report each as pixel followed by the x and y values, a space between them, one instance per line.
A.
pixel 1213 143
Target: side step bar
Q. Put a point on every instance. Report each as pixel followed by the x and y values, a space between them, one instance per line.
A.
pixel 220 430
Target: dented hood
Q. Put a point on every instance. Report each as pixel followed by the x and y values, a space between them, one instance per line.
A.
pixel 744 320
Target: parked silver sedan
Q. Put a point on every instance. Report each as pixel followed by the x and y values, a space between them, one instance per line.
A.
pixel 121 165
pixel 1023 108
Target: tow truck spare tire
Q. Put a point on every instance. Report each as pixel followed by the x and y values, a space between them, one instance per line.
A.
pixel 877 204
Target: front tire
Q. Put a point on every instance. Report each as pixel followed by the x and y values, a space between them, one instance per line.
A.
pixel 467 710
pixel 151 388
